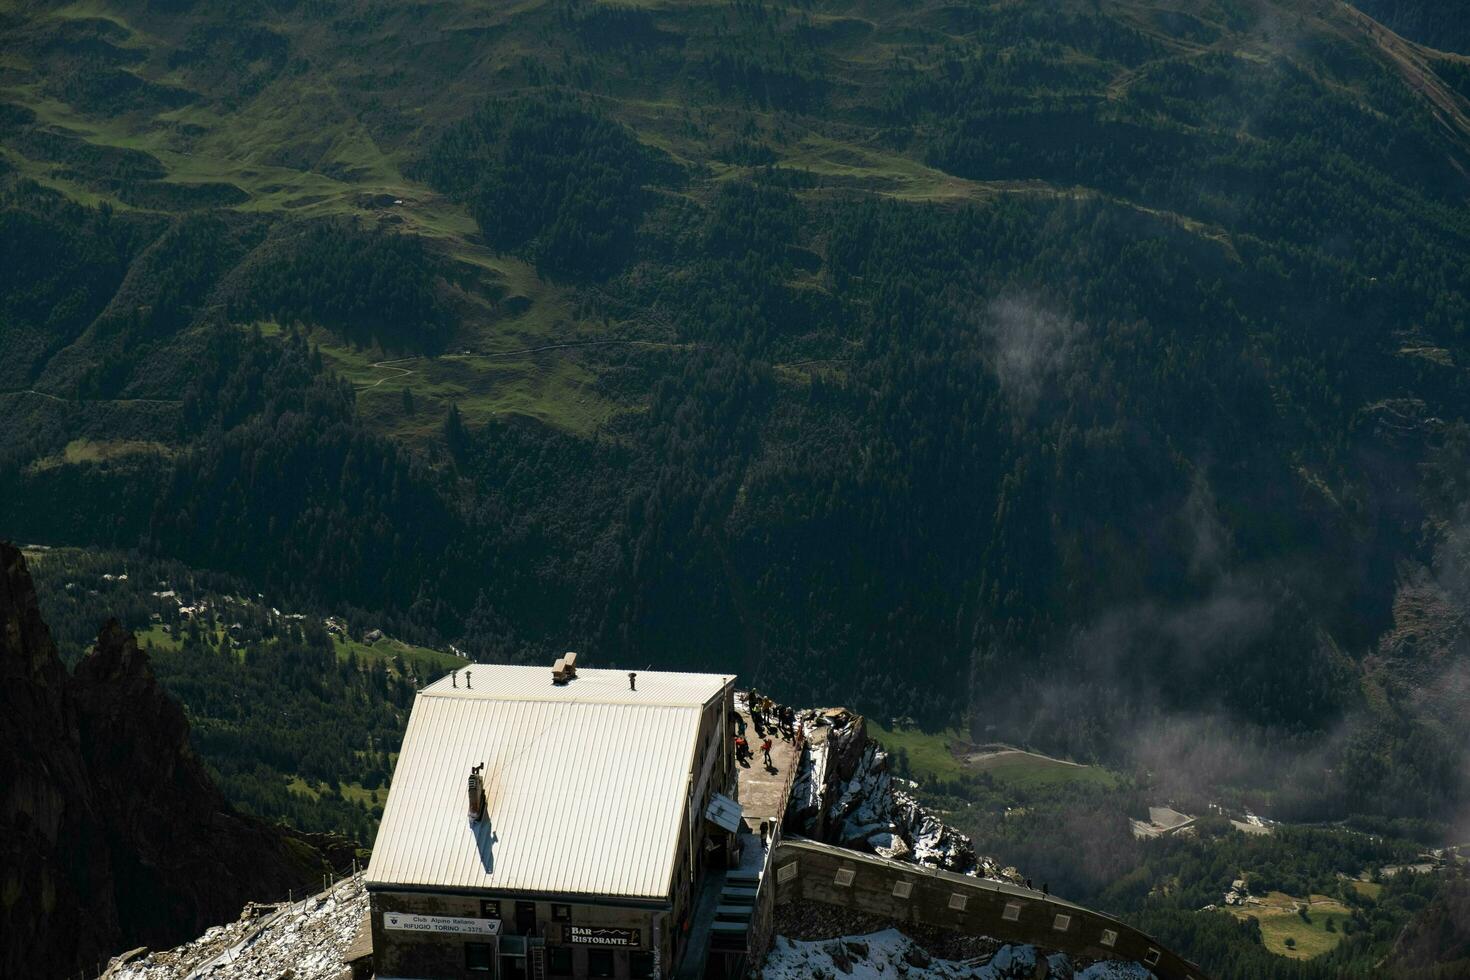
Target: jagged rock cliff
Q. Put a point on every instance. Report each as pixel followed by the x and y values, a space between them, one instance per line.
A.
pixel 111 832
pixel 845 794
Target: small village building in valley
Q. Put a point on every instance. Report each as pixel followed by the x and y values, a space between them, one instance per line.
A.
pixel 553 823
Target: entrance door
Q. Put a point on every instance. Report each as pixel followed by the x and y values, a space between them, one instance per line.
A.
pixel 526 918
pixel 513 958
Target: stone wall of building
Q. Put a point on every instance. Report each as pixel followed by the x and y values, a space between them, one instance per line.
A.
pixel 805 871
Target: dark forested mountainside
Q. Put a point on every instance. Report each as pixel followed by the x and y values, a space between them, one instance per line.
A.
pixel 113 835
pixel 1092 373
pixel 297 715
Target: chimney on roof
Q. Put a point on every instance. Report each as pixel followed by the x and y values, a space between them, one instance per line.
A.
pixel 467 680
pixel 565 668
pixel 632 680
pixel 477 793
pixel 454 678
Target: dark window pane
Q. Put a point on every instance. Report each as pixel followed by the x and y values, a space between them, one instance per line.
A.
pixel 640 964
pixel 600 962
pixel 559 960
pixel 479 957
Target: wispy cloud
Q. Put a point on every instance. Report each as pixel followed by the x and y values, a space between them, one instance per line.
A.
pixel 1029 345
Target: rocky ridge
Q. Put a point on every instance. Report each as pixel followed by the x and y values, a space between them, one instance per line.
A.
pixel 111 832
pixel 305 940
pixel 845 794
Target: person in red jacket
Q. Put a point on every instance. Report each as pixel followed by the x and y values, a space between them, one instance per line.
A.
pixel 766 751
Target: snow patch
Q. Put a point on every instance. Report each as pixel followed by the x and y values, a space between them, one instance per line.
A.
pixel 1112 970
pixel 888 954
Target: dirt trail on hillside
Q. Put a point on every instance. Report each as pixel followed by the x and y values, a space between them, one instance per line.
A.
pixel 984 753
pixel 1410 59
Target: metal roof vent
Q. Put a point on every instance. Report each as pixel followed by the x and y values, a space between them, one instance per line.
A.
pixel 565 668
pixel 632 680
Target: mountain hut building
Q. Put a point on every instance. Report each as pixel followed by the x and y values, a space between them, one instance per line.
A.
pixel 552 823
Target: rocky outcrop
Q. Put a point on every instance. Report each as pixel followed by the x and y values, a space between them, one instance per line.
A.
pixel 1438 936
pixel 845 794
pixel 54 851
pixel 112 833
pixel 310 939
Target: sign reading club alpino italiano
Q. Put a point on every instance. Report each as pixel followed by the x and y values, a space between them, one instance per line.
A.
pixel 452 924
pixel 592 936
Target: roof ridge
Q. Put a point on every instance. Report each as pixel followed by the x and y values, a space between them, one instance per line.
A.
pixel 477 695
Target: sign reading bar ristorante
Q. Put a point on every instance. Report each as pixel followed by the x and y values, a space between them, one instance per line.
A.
pixel 592 936
pixel 452 924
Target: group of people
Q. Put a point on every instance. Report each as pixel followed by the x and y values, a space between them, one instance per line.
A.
pixel 770 716
pixel 743 754
pixel 771 720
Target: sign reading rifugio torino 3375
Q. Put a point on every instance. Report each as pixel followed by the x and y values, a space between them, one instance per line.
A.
pixel 451 924
pixel 594 936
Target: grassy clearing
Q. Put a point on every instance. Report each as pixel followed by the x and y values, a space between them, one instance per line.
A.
pixel 1025 769
pixel 1280 921
pixel 1368 889
pixel 929 753
pixel 876 170
pixel 164 637
pixel 942 756
pixel 356 793
pixel 155 637
pixel 431 661
pixel 351 792
pixel 427 661
pixel 301 787
pixel 89 451
pixel 79 452
pixel 555 387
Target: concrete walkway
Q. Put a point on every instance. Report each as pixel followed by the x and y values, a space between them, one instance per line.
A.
pixel 763 791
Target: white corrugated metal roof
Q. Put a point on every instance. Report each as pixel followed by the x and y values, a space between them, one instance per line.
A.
pixel 585 783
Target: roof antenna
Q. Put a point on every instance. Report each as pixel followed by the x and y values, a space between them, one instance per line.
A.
pixel 632 681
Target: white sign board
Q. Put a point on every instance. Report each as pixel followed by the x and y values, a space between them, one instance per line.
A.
pixel 597 936
pixel 451 924
pixel 723 812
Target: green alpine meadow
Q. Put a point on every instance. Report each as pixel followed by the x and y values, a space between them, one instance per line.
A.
pixel 1079 390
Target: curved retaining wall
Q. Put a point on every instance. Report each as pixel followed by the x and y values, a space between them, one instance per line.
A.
pixel 808 871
